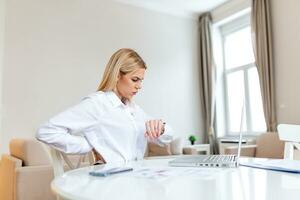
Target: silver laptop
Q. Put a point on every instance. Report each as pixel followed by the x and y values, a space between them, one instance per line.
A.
pixel 211 160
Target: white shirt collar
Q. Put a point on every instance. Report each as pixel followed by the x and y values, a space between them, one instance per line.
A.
pixel 114 99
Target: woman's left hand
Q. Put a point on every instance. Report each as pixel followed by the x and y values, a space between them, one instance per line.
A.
pixel 154 128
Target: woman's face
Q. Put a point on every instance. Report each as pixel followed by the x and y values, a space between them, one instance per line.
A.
pixel 129 84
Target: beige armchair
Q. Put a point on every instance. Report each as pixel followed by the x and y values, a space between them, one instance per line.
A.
pixel 267 145
pixel 26 172
pixel 170 150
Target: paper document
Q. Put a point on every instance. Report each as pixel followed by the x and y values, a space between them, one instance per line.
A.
pixel 274 164
pixel 162 173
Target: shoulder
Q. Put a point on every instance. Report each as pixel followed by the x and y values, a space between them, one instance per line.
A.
pixel 95 100
pixel 96 96
pixel 99 99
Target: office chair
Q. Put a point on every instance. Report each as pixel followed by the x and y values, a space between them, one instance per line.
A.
pixel 290 134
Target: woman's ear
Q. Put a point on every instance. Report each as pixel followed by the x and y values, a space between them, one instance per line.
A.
pixel 119 76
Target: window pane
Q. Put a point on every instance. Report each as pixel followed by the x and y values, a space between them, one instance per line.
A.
pixel 256 109
pixel 235 89
pixel 238 48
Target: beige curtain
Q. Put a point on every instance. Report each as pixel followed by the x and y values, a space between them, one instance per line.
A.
pixel 262 44
pixel 207 79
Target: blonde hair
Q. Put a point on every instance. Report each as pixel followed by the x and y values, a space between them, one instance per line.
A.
pixel 121 62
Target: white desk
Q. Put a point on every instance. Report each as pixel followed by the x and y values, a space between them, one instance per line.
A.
pixel 210 184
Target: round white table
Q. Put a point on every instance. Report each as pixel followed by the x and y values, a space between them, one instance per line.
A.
pixel 155 180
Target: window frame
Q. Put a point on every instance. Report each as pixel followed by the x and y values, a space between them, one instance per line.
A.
pixel 225 30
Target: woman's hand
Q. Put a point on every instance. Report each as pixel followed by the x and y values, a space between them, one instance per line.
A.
pixel 154 128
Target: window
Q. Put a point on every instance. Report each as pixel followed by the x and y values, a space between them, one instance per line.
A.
pixel 240 81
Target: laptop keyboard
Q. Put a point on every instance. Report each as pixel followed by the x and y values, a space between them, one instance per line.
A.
pixel 219 158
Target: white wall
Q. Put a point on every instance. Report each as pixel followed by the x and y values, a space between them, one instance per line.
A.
pixel 286 29
pixel 2 27
pixel 56 51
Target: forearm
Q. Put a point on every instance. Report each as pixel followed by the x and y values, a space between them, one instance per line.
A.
pixel 60 139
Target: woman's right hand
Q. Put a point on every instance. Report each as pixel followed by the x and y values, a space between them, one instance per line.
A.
pixel 154 128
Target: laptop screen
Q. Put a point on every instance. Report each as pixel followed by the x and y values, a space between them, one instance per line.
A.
pixel 241 129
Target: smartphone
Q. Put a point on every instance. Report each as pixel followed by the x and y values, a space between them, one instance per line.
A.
pixel 107 172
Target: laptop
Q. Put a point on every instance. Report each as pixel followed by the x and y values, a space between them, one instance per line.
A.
pixel 211 160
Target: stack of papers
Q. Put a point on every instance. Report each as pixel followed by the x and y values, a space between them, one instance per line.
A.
pixel 292 166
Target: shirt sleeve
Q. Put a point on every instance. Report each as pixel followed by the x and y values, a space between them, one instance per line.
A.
pixel 166 137
pixel 63 131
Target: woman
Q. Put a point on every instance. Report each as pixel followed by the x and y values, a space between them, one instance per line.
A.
pixel 109 121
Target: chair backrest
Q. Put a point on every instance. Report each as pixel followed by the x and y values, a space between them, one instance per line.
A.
pixel 290 133
pixel 175 147
pixel 268 145
pixel 61 160
pixel 30 151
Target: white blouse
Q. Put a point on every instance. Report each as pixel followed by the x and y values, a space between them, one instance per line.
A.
pixel 113 129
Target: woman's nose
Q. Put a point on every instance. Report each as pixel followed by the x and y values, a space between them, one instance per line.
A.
pixel 138 85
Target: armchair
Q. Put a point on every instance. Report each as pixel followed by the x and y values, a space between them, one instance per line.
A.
pixel 26 172
pixel 267 145
pixel 170 150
